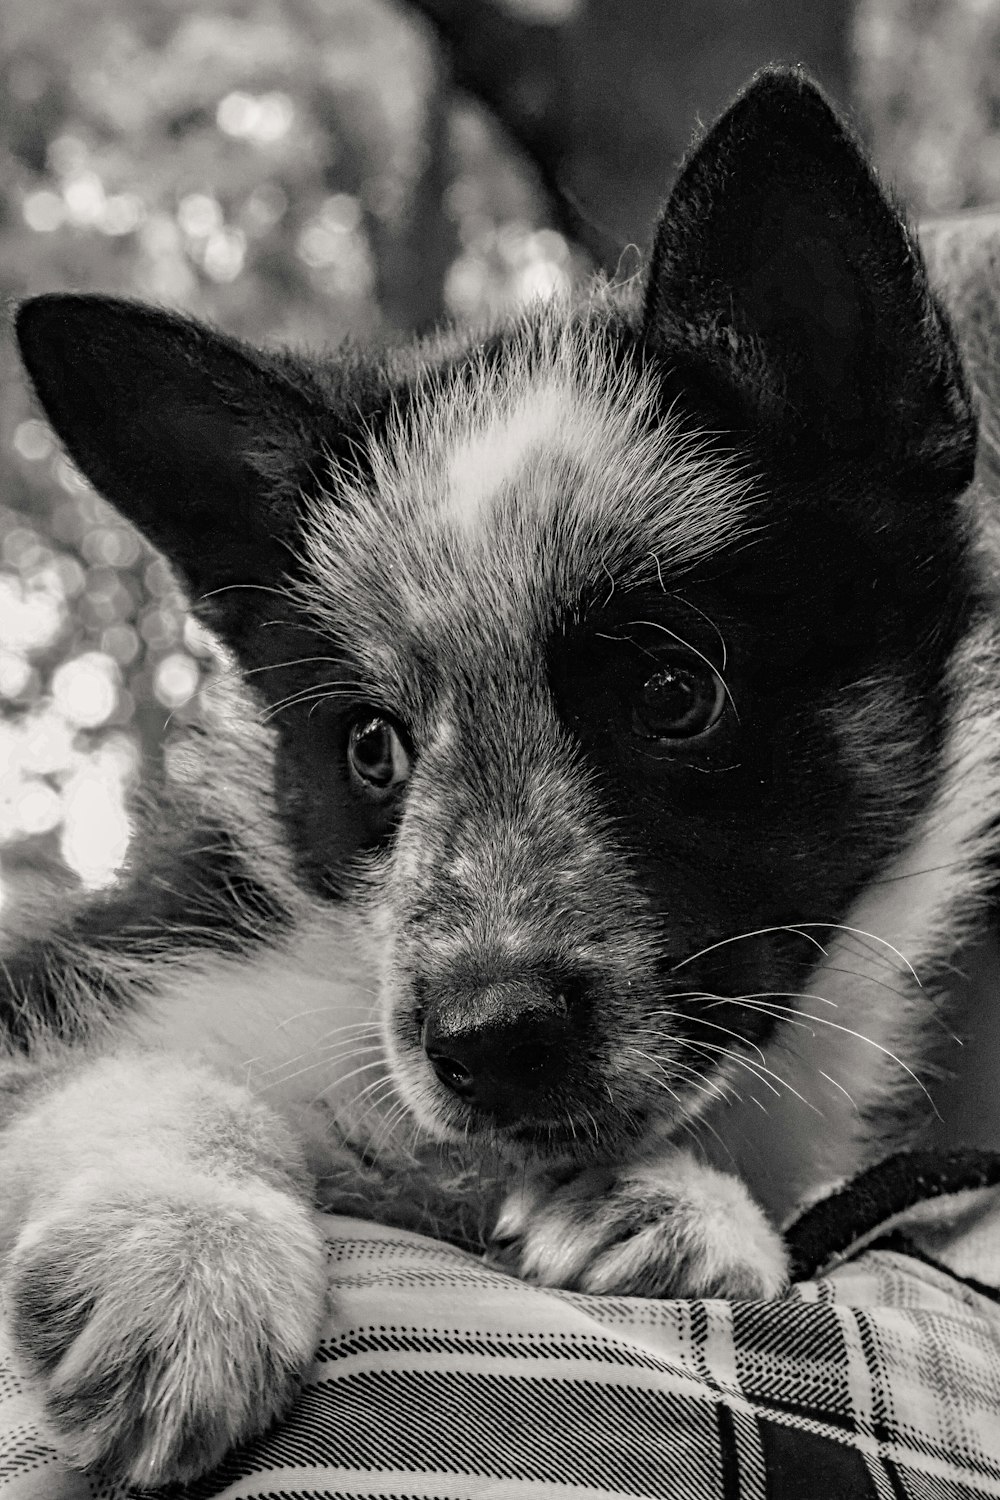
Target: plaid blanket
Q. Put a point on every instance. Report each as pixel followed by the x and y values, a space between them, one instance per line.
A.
pixel 878 1376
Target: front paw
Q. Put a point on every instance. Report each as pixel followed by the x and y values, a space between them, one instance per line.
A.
pixel 162 1330
pixel 669 1227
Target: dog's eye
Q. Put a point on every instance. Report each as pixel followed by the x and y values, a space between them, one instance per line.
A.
pixel 682 700
pixel 378 760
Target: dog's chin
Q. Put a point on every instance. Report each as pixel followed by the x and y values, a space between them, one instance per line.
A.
pixel 566 1127
pixel 545 1140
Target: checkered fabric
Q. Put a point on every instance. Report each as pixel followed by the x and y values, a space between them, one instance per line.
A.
pixel 440 1377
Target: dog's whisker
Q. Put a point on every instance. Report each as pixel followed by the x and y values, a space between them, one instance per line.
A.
pixel 343 1078
pixel 323 691
pixel 727 1052
pixel 795 1016
pixel 319 1010
pixel 800 929
pixel 715 1025
pixel 295 661
pixel 847 1095
pixel 379 1094
pixel 696 1081
pixel 741 937
pixel 270 1079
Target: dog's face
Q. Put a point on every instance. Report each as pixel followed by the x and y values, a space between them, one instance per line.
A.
pixel 604 654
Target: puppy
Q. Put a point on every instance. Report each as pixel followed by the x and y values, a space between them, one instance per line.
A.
pixel 603 738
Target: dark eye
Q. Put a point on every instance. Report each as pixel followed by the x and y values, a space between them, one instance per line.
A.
pixel 376 756
pixel 679 702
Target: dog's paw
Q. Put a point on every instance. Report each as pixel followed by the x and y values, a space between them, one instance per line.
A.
pixel 160 1331
pixel 669 1227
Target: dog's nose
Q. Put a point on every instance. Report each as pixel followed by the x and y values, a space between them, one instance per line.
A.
pixel 499 1047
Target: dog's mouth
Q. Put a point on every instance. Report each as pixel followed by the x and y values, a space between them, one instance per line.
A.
pixel 575 1140
pixel 548 1113
pixel 541 1062
pixel 535 1080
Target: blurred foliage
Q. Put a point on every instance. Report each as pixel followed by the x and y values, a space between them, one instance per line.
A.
pixel 296 172
pixel 928 85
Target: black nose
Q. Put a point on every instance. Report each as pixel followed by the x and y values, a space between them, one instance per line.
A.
pixel 499 1047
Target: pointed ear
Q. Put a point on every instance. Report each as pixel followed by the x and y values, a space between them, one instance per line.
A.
pixel 204 444
pixel 785 281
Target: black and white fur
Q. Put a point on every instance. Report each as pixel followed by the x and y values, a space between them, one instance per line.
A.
pixel 539 979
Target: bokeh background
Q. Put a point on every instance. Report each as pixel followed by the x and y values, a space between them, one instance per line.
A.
pixel 307 170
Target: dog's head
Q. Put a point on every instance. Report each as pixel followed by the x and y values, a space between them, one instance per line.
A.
pixel 601 650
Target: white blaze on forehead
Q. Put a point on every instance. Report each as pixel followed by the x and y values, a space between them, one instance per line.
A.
pixel 556 441
pixel 492 456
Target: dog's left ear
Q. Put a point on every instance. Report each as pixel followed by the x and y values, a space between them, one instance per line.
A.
pixel 205 444
pixel 786 284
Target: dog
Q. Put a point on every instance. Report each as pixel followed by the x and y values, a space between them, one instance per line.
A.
pixel 595 784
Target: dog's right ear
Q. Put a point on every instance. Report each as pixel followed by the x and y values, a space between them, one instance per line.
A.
pixel 785 281
pixel 208 446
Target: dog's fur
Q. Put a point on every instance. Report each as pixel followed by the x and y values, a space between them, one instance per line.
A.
pixel 659 954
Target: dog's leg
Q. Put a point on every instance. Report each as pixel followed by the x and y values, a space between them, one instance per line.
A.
pixel 667 1225
pixel 162 1273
